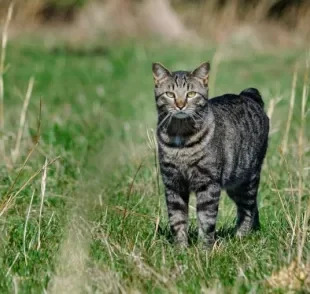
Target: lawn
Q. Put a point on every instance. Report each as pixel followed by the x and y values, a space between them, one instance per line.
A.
pixel 93 218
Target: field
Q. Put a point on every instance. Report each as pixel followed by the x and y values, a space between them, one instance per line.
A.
pixel 85 212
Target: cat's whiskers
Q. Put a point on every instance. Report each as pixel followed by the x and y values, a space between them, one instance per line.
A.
pixel 164 120
pixel 198 116
pixel 163 113
pixel 197 122
pixel 170 119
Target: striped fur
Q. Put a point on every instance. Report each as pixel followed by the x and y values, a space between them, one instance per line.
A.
pixel 207 146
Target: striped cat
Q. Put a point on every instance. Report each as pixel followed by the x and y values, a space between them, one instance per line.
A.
pixel 208 145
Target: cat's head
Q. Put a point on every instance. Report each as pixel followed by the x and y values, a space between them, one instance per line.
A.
pixel 181 93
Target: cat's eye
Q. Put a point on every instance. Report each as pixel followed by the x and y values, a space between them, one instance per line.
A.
pixel 191 94
pixel 170 94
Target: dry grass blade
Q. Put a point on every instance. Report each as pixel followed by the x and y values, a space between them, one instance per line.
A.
pixel 15 152
pixel 270 110
pixel 217 58
pixel 291 190
pixel 290 112
pixel 130 189
pixel 152 142
pixel 301 233
pixel 304 230
pixel 284 207
pixel 10 268
pixel 25 228
pixel 5 206
pixel 2 69
pixel 35 174
pixel 144 269
pixel 271 107
pixel 2 59
pixel 156 226
pixel 15 284
pixel 43 188
pixel 131 212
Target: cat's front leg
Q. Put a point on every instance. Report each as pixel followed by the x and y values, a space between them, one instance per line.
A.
pixel 208 196
pixel 177 197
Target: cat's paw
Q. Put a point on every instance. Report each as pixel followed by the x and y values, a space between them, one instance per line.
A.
pixel 243 231
pixel 181 244
pixel 206 244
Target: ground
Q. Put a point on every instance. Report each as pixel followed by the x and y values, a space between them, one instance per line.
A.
pixel 94 220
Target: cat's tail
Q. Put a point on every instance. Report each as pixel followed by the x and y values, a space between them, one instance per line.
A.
pixel 253 94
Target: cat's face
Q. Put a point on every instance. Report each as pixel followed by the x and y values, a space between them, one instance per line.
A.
pixel 181 93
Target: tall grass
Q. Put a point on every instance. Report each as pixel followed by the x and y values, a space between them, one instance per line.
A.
pixel 95 219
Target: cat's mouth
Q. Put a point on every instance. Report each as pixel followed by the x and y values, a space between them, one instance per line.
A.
pixel 180 114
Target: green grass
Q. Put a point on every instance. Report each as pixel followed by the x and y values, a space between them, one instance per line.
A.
pixel 104 226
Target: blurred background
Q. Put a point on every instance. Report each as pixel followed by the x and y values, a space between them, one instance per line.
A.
pixel 279 21
pixel 82 207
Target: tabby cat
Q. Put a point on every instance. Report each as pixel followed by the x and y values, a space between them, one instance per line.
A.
pixel 208 145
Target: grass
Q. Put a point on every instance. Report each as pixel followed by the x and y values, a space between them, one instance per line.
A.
pixel 102 223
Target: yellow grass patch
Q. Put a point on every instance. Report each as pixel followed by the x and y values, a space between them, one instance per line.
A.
pixel 292 277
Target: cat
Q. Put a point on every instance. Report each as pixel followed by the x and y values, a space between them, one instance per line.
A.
pixel 205 146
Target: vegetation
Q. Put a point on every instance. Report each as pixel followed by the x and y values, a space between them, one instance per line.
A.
pixel 86 212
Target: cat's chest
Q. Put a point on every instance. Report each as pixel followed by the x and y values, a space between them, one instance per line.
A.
pixel 181 156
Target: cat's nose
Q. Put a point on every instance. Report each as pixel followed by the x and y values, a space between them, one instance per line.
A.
pixel 180 104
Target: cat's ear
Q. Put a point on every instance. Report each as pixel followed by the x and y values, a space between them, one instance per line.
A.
pixel 202 72
pixel 159 72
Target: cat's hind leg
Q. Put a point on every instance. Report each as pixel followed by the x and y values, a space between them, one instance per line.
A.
pixel 245 197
